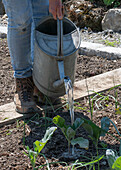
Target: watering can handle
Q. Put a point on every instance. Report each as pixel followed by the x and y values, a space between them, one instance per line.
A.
pixel 60 53
pixel 60 38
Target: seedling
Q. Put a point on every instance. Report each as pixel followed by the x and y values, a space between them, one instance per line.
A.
pixel 95 131
pixel 77 165
pixel 108 2
pixel 39 145
pixel 105 123
pixel 111 43
pixel 113 160
pixel 99 98
pixel 69 132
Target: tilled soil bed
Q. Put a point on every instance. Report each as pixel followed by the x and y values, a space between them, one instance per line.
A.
pixel 13 138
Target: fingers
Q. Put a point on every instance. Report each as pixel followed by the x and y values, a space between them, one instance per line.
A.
pixel 53 11
pixel 56 8
pixel 60 12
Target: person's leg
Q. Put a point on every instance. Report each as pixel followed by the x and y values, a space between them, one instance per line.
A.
pixel 19 31
pixel 20 14
pixel 40 8
pixel 19 43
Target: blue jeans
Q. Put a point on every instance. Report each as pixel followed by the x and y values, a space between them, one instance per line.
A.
pixel 23 15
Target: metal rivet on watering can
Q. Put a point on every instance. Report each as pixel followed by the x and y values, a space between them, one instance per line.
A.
pixel 55 54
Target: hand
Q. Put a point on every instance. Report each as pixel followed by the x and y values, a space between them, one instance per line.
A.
pixel 56 9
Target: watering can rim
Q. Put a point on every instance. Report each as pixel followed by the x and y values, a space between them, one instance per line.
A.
pixel 59 57
pixel 51 17
pixel 55 37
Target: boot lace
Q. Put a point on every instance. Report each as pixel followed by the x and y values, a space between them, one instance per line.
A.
pixel 25 86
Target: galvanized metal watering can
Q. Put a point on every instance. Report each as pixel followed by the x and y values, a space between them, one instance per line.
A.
pixel 55 55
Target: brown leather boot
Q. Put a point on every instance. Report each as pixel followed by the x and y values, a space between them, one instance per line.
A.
pixel 24 96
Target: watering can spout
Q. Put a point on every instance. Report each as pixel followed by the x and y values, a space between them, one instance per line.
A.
pixel 58 83
pixel 61 73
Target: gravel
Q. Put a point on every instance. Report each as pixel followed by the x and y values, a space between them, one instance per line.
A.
pixel 3 20
pixel 107 37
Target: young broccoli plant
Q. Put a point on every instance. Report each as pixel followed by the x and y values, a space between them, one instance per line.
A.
pixel 95 131
pixel 114 161
pixel 39 145
pixel 69 132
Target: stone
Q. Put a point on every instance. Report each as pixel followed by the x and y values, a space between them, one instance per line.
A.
pixel 112 20
pixel 4 17
pixel 3 29
pixel 3 35
pixel 96 49
pixel 2 10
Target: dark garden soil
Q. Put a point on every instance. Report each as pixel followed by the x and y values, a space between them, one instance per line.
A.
pixel 12 136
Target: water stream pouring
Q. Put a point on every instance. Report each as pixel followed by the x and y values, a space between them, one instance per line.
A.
pixel 70 100
pixel 55 55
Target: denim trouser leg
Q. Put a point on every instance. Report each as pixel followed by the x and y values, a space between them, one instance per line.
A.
pixel 20 16
pixel 40 8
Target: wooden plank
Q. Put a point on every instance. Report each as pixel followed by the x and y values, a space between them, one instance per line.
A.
pixel 9 115
pixel 95 84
